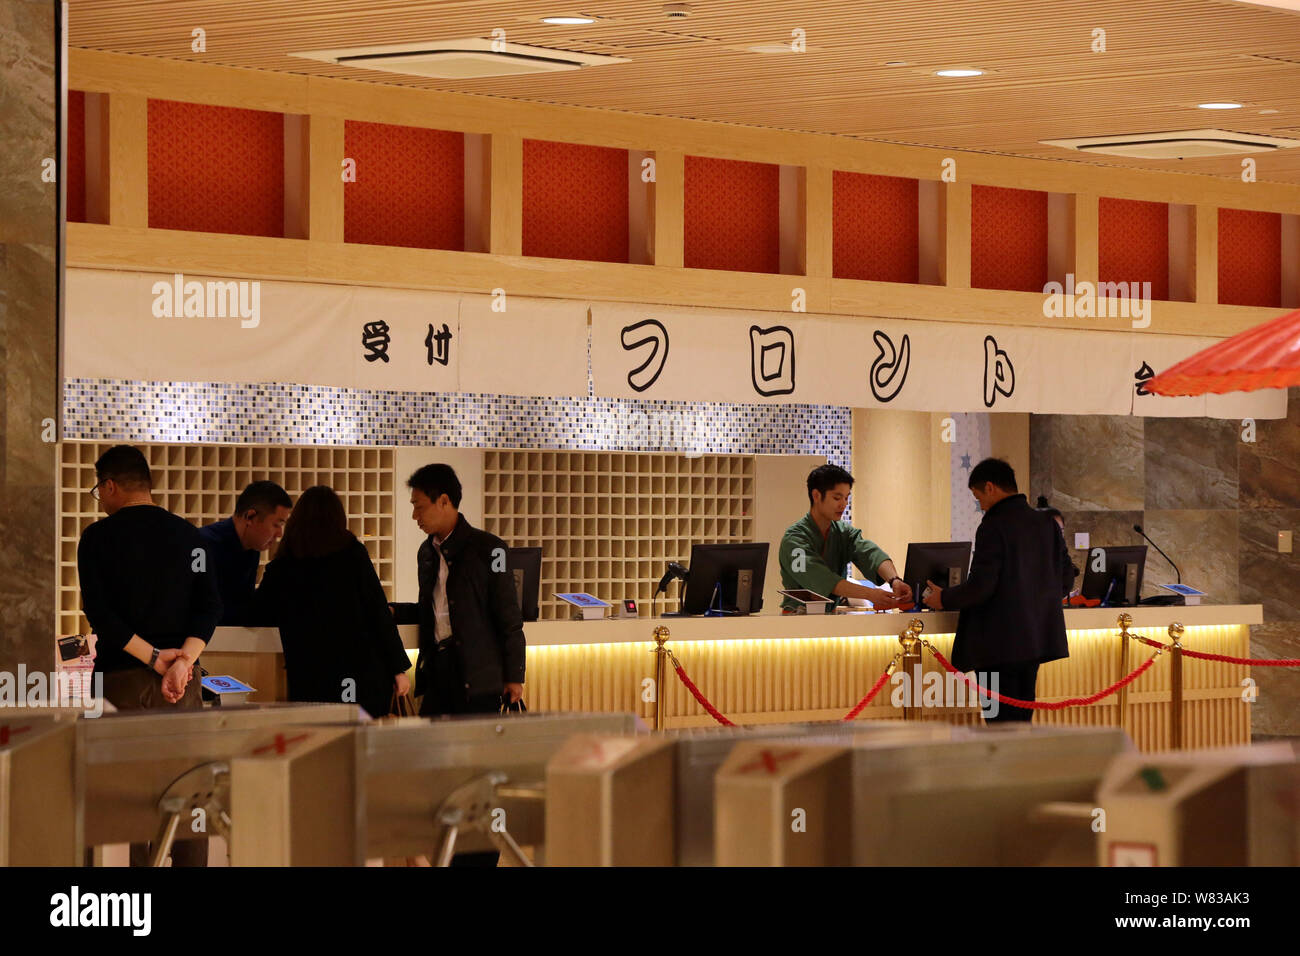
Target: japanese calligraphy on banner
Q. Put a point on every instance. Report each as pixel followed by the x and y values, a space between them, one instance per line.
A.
pixel 659 352
pixel 193 328
pixel 156 327
pixel 715 356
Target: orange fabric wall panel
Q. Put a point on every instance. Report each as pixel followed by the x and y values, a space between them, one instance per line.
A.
pixel 575 201
pixel 732 215
pixel 216 169
pixel 1134 243
pixel 875 226
pixel 1250 258
pixel 74 175
pixel 410 186
pixel 1008 247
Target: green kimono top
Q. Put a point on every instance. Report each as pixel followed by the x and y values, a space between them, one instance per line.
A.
pixel 822 561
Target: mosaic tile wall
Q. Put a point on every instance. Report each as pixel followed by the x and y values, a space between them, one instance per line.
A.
pixel 112 409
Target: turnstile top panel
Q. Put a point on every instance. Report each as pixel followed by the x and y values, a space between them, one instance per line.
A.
pixel 137 735
pixel 415 742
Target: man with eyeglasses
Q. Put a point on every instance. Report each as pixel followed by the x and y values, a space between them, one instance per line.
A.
pixel 150 598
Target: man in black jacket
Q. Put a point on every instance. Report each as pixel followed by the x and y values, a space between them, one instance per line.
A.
pixel 151 598
pixel 1011 619
pixel 471 629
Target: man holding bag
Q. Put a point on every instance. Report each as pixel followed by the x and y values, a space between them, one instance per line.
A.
pixel 471 629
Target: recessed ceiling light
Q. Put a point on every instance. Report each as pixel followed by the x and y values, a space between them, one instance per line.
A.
pixel 898 63
pixel 567 21
pixel 962 72
pixel 1268 112
pixel 1218 106
pixel 771 48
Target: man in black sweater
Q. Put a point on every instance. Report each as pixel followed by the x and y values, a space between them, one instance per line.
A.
pixel 1011 619
pixel 235 547
pixel 151 599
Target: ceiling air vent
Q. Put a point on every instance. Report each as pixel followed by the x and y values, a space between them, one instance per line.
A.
pixel 469 59
pixel 1178 144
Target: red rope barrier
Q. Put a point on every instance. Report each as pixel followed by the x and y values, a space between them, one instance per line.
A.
pixel 720 718
pixel 1223 658
pixel 704 702
pixel 870 695
pixel 1039 705
pixel 1257 662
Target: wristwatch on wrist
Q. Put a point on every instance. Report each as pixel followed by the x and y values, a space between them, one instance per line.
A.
pixel 153 658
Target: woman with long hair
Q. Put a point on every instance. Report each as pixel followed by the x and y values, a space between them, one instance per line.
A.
pixel 340 642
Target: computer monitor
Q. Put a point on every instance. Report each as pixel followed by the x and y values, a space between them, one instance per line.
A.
pixel 1118 582
pixel 946 563
pixel 728 567
pixel 526 566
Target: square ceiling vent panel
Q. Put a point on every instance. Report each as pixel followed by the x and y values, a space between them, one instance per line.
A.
pixel 469 59
pixel 1177 144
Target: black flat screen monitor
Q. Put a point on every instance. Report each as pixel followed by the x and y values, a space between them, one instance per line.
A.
pixel 946 563
pixel 525 564
pixel 1118 581
pixel 943 562
pixel 715 566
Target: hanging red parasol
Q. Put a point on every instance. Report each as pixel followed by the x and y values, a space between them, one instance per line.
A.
pixel 1267 356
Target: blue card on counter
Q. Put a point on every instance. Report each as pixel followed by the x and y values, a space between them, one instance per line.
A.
pixel 225 685
pixel 583 599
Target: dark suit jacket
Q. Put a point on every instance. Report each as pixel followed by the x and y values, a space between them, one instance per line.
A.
pixel 487 628
pixel 335 625
pixel 1011 603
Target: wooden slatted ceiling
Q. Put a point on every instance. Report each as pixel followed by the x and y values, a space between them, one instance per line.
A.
pixel 1163 57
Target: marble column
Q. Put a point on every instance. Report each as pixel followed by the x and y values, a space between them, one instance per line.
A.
pixel 29 390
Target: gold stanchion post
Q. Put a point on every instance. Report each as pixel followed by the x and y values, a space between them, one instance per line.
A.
pixel 1176 687
pixel 1124 621
pixel 661 673
pixel 911 641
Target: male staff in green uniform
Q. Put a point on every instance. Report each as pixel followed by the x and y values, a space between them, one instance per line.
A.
pixel 819 546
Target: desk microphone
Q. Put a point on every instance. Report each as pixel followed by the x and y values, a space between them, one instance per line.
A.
pixel 1138 529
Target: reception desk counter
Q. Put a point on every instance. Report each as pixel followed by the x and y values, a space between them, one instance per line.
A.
pixel 771 668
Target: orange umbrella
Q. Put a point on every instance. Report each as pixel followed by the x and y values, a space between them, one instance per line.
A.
pixel 1267 356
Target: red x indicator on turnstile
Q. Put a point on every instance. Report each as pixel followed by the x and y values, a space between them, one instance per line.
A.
pixel 6 732
pixel 768 761
pixel 280 744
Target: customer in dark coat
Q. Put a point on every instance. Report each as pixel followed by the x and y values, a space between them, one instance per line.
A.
pixel 321 590
pixel 471 629
pixel 1011 619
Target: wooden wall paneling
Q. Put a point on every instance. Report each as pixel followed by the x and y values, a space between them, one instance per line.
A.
pixel 325 155
pixel 1207 255
pixel 818 214
pixel 96 246
pixel 505 194
pixel 954 247
pixel 128 160
pixel 669 208
pixel 97 71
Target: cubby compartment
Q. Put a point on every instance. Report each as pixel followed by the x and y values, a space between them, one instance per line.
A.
pixel 608 521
